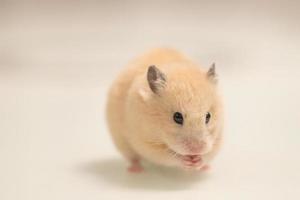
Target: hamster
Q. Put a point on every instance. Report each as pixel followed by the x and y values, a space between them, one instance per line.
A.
pixel 165 109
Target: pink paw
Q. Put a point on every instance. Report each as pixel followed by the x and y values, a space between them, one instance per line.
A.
pixel 135 167
pixel 205 168
pixel 192 161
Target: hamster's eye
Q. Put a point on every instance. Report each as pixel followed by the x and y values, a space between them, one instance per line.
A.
pixel 207 117
pixel 178 118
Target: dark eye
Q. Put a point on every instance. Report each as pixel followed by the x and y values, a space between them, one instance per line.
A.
pixel 207 118
pixel 178 118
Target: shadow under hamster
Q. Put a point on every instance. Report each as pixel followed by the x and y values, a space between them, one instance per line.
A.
pixel 113 171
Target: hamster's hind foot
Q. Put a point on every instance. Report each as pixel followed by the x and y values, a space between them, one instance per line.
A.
pixel 135 166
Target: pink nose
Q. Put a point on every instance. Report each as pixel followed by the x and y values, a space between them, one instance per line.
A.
pixel 194 146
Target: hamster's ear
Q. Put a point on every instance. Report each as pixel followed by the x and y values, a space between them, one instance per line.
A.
pixel 211 74
pixel 156 79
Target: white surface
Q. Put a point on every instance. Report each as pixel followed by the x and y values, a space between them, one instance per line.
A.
pixel 57 61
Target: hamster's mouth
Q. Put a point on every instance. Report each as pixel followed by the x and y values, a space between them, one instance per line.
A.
pixel 200 152
pixel 175 153
pixel 188 160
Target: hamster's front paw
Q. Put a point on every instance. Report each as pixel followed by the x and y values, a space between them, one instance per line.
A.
pixel 192 161
pixel 205 167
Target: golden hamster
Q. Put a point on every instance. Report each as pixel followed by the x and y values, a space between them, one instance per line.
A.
pixel 165 109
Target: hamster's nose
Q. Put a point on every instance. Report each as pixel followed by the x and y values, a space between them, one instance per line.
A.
pixel 194 147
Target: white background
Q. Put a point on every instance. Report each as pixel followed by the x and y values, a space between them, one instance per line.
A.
pixel 57 59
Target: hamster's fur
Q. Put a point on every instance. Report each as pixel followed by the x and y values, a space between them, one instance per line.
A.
pixel 141 108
